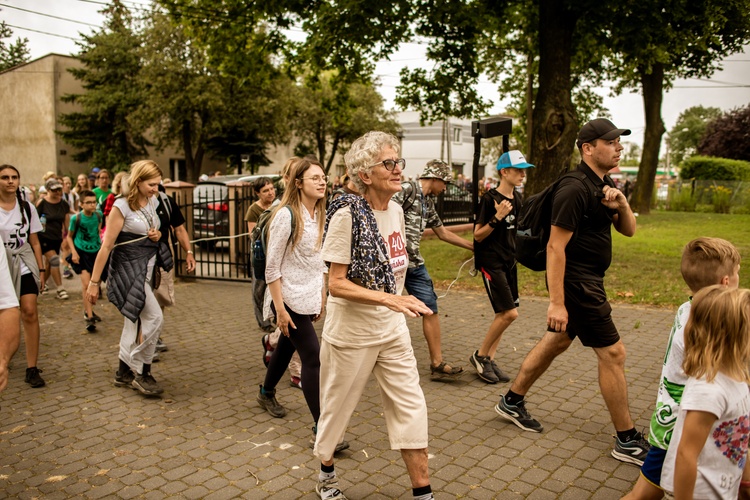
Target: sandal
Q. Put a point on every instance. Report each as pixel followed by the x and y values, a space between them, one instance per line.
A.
pixel 444 370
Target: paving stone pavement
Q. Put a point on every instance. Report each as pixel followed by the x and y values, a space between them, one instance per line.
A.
pixel 81 437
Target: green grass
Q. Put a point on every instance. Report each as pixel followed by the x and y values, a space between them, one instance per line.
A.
pixel 645 268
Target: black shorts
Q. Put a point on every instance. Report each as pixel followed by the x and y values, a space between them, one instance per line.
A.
pixel 589 314
pixel 502 288
pixel 48 245
pixel 28 285
pixel 86 261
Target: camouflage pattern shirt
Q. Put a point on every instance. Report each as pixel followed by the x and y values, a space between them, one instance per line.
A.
pixel 419 214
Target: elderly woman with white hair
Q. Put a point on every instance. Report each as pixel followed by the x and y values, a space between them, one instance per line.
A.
pixel 365 328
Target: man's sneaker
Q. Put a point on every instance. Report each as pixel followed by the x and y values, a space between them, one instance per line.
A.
pixel 124 379
pixel 518 415
pixel 269 403
pixel 267 349
pixel 62 294
pixel 445 371
pixel 147 385
pixel 501 375
pixel 296 382
pixel 633 451
pixel 33 378
pixel 94 317
pixel 329 489
pixel 161 346
pixel 484 368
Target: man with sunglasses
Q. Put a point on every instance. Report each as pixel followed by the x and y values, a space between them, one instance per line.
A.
pixel 417 198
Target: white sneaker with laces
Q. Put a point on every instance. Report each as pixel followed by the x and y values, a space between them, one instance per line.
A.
pixel 329 489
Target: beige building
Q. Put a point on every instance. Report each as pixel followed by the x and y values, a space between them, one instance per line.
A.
pixel 31 105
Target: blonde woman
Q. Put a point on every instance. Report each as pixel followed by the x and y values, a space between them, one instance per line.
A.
pixel 132 237
pixel 294 275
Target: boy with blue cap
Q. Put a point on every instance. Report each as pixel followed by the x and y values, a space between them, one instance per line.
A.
pixel 495 258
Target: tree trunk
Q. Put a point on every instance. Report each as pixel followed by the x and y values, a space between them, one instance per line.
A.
pixel 653 94
pixel 554 127
pixel 187 148
pixel 334 148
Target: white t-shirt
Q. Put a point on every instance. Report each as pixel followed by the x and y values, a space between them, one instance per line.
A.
pixel 671 384
pixel 351 324
pixel 8 297
pixel 301 270
pixel 13 233
pixel 140 221
pixel 723 457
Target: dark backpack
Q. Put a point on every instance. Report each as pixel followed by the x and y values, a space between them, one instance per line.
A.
pixel 534 223
pixel 77 222
pixel 259 240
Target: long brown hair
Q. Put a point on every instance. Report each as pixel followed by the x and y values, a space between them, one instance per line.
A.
pixel 717 334
pixel 292 199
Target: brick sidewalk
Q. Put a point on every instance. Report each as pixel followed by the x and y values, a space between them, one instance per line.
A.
pixel 81 437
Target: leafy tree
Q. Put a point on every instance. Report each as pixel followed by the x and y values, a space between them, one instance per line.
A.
pixel 685 39
pixel 102 130
pixel 688 130
pixel 727 136
pixel 631 155
pixel 331 113
pixel 12 54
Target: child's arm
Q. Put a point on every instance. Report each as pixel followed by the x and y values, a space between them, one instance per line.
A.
pixel 695 431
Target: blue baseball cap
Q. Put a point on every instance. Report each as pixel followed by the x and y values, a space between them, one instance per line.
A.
pixel 513 159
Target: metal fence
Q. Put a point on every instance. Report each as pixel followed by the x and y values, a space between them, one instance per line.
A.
pixel 703 196
pixel 215 220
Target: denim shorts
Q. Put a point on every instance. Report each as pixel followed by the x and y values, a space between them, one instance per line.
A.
pixel 419 284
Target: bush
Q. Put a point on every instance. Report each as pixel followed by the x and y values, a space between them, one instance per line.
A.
pixel 722 199
pixel 715 169
pixel 682 199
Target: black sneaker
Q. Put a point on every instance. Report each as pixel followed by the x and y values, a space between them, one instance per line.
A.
pixel 90 325
pixel 161 346
pixel 483 368
pixel 95 317
pixel 124 379
pixel 501 375
pixel 146 385
pixel 633 451
pixel 268 402
pixel 33 378
pixel 518 415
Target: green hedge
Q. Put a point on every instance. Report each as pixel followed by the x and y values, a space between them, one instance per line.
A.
pixel 715 169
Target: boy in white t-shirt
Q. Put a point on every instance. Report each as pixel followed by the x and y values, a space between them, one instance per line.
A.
pixel 705 262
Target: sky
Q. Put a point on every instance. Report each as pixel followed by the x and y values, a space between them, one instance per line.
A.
pixel 53 25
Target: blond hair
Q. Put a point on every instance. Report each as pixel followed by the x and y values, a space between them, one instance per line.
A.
pixel 706 261
pixel 140 171
pixel 292 199
pixel 717 334
pixel 117 183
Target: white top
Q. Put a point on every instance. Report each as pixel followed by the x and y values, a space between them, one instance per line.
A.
pixel 352 324
pixel 723 457
pixel 8 297
pixel 301 269
pixel 13 234
pixel 671 384
pixel 140 221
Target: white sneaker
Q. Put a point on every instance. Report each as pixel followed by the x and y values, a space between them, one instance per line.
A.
pixel 329 489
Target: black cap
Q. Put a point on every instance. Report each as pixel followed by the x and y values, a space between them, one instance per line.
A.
pixel 600 128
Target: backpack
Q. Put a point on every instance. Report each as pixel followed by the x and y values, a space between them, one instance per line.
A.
pixel 410 197
pixel 258 241
pixel 534 223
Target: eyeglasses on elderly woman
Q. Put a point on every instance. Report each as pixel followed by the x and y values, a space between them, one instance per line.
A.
pixel 391 164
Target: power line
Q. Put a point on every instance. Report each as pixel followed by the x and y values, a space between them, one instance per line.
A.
pixel 48 15
pixel 44 32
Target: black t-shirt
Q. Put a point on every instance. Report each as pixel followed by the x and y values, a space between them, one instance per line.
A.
pixel 55 218
pixel 589 252
pixel 176 220
pixel 498 250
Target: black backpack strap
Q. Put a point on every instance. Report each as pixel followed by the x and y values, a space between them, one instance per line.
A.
pixel 410 197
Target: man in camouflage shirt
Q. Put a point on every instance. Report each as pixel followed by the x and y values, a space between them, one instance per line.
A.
pixel 418 201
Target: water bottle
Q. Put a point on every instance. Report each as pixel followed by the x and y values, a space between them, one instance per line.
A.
pixel 43 220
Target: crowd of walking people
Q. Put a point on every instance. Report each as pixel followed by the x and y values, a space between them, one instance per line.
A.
pixel 349 257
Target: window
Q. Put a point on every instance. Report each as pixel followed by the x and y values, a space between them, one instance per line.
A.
pixel 457 135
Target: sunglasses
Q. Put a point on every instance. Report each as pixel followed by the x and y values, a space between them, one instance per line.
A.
pixel 390 165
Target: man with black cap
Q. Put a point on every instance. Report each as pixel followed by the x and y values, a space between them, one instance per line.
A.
pixel 578 254
pixel 418 202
